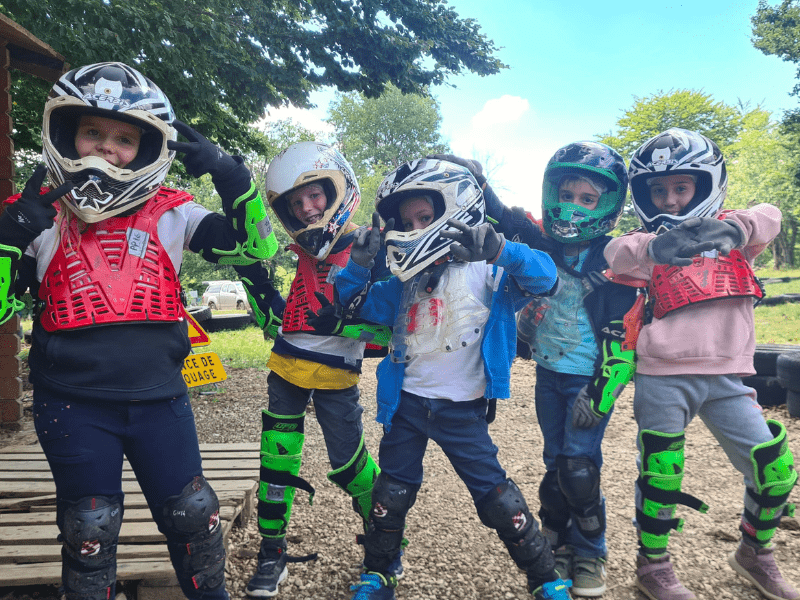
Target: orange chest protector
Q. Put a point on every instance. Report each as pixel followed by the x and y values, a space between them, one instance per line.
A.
pixel 115 271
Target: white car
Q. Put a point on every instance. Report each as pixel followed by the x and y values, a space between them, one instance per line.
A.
pixel 225 295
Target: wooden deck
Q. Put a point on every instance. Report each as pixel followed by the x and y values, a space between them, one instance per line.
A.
pixel 29 552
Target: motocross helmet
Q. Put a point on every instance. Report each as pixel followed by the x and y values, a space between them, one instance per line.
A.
pixel 605 169
pixel 115 91
pixel 678 152
pixel 313 162
pixel 454 193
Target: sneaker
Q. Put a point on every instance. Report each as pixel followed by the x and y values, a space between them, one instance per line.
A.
pixel 563 557
pixel 588 576
pixel 656 579
pixel 757 565
pixel 374 586
pixel 271 570
pixel 553 590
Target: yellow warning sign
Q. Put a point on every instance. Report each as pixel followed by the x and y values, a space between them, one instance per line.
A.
pixel 202 369
pixel 197 335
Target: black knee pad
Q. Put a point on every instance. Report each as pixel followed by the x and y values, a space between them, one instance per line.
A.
pixel 90 532
pixel 579 480
pixel 504 509
pixel 191 523
pixel 391 501
pixel 554 511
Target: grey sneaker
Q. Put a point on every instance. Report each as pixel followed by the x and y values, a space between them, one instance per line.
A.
pixel 564 562
pixel 588 576
pixel 757 565
pixel 656 579
pixel 270 571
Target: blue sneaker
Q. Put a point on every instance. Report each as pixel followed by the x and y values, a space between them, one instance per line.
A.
pixel 374 586
pixel 553 590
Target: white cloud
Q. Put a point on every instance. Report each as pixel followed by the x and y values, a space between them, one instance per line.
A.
pixel 309 119
pixel 501 111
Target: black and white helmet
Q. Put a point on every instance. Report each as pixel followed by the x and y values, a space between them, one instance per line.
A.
pixel 454 193
pixel 313 162
pixel 678 152
pixel 114 91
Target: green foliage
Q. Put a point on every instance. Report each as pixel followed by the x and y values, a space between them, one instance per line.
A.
pixel 240 349
pixel 222 62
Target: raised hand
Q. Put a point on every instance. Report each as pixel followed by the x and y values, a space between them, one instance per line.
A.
pixel 473 244
pixel 725 235
pixel 367 243
pixel 200 155
pixel 677 247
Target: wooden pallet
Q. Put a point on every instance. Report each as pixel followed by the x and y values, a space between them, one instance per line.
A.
pixel 30 553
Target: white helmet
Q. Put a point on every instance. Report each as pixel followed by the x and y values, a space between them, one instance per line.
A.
pixel 114 91
pixel 313 162
pixel 678 152
pixel 455 194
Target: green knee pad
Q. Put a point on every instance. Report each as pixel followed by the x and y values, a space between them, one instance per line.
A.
pixel 659 482
pixel 357 478
pixel 282 438
pixel 9 257
pixel 775 476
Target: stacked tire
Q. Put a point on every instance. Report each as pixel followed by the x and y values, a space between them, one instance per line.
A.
pixel 788 374
pixel 769 386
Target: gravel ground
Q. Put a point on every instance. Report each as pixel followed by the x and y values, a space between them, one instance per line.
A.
pixel 451 555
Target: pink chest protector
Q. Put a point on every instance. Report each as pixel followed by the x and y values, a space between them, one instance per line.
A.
pixel 116 271
pixel 312 276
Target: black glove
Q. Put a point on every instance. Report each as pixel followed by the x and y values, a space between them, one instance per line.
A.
pixel 677 247
pixel 22 221
pixel 201 156
pixel 367 242
pixel 725 235
pixel 583 416
pixel 473 244
pixel 473 166
pixel 328 319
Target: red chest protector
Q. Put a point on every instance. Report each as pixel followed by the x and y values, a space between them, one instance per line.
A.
pixel 312 276
pixel 705 279
pixel 116 271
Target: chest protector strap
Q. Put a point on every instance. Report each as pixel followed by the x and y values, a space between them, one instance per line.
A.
pixel 312 276
pixel 117 271
pixel 673 287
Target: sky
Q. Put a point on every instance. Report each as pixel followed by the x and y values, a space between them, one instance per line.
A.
pixel 575 66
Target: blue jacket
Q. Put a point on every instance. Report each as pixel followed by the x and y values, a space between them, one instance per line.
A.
pixel 519 273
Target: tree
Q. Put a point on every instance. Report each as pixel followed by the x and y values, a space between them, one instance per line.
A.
pixel 377 135
pixel 223 62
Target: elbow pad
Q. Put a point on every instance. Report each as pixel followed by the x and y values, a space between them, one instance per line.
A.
pixel 9 304
pixel 256 239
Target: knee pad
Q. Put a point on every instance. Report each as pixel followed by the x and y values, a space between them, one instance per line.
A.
pixel 774 477
pixel 659 483
pixel 90 532
pixel 554 511
pixel 357 478
pixel 579 480
pixel 191 523
pixel 282 439
pixel 391 501
pixel 504 509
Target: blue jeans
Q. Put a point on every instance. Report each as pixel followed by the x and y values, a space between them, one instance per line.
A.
pixel 459 428
pixel 555 395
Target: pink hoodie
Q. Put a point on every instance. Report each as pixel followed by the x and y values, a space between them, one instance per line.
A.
pixel 707 338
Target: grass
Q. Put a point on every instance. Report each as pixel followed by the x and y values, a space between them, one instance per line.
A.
pixel 240 349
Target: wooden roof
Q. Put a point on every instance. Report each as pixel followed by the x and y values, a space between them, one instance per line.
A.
pixel 30 54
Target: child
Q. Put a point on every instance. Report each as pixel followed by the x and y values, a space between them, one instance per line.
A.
pixel 576 338
pixel 693 353
pixel 109 338
pixel 452 309
pixel 313 191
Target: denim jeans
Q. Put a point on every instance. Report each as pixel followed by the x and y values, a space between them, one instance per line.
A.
pixel 555 396
pixel 459 428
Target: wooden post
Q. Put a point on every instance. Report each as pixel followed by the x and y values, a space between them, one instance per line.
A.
pixel 10 332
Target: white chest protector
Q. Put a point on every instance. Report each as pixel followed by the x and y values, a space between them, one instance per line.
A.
pixel 450 317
